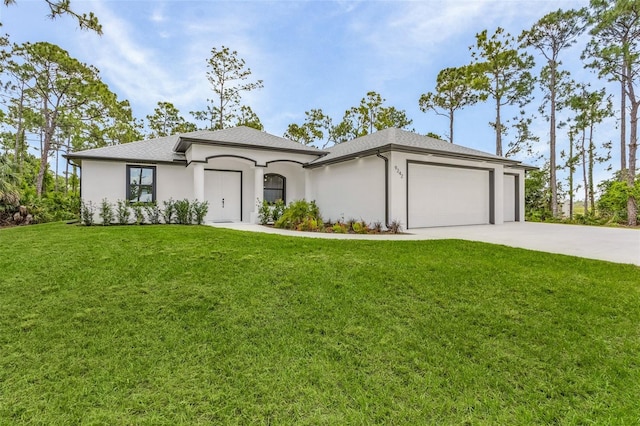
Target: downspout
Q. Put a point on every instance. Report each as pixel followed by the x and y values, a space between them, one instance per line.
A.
pixel 386 188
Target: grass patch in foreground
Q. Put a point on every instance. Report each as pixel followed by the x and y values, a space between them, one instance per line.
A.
pixel 170 325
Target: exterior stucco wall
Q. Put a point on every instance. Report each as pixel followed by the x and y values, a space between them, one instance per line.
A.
pixel 353 189
pixel 108 179
pixel 261 157
pixel 173 182
pixel 103 179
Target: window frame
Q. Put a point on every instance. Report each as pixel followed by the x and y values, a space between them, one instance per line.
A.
pixel 153 183
pixel 283 189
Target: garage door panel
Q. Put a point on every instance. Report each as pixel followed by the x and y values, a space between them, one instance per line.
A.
pixel 447 196
pixel 509 198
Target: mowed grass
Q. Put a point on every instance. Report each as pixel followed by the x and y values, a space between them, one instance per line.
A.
pixel 196 325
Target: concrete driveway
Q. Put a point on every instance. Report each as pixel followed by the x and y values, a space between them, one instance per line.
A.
pixel 618 245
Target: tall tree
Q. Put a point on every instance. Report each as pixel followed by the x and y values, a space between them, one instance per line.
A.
pixel 501 73
pixel 229 77
pixel 166 120
pixel 64 89
pixel 614 51
pixel 248 118
pixel 370 115
pixel 63 7
pixel 570 163
pixel 552 34
pixel 523 138
pixel 591 108
pixel 22 113
pixel 453 92
pixel 316 126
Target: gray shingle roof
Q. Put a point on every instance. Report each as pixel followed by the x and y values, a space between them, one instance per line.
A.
pixel 151 150
pixel 401 139
pixel 171 148
pixel 245 136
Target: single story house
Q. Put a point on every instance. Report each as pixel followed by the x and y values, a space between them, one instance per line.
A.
pixel 389 175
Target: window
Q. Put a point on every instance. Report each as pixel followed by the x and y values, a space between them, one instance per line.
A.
pixel 274 188
pixel 141 184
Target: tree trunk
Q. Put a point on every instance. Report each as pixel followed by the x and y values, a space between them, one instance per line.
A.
pixel 623 126
pixel 46 147
pixel 571 170
pixel 632 206
pixel 498 125
pixel 66 171
pixel 583 154
pixel 20 131
pixel 552 143
pixel 221 106
pixel 592 200
pixel 451 125
pixel 55 178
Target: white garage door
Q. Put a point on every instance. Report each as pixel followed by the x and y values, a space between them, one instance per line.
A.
pixel 447 196
pixel 509 198
pixel 222 189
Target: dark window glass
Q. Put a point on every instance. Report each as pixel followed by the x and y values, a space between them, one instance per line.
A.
pixel 141 184
pixel 274 188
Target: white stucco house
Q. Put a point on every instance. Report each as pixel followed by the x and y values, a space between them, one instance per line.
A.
pixel 389 175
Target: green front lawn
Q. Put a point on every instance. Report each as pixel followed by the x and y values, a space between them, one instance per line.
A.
pixel 186 324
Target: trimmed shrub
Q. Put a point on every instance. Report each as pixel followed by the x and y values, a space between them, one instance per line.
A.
pixel 183 212
pixel 199 209
pixel 87 212
pixel 106 212
pixel 339 228
pixel 264 212
pixel 360 227
pixel 308 224
pixel 169 210
pixel 278 209
pixel 138 212
pixel 123 212
pixel 153 213
pixel 298 212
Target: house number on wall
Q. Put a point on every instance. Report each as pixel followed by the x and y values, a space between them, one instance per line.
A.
pixel 398 171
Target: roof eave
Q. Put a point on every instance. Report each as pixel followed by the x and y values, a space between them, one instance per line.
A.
pixel 124 160
pixel 525 167
pixel 412 150
pixel 183 144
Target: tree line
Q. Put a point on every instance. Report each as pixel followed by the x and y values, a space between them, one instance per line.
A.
pixel 63 105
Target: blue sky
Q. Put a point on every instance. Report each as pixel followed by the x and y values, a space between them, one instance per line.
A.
pixel 310 54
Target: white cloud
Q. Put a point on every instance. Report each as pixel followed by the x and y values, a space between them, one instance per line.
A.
pixel 158 15
pixel 140 71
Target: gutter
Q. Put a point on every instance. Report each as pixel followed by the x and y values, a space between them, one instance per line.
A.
pixel 386 188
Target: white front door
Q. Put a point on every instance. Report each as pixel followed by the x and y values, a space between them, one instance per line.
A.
pixel 223 191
